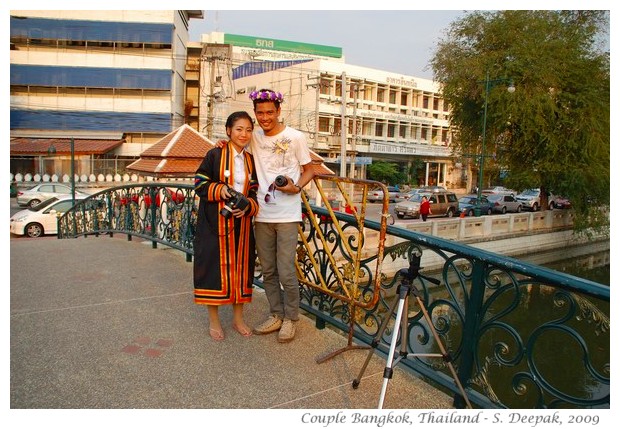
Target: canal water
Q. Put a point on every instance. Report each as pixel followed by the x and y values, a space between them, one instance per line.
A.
pixel 596 274
pixel 534 352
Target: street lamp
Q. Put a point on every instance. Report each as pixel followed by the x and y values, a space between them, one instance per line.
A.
pixel 488 84
pixel 72 173
pixel 51 151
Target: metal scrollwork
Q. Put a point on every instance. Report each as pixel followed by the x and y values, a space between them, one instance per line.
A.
pixel 507 325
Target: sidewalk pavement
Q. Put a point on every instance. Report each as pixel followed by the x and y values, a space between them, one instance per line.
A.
pixel 107 323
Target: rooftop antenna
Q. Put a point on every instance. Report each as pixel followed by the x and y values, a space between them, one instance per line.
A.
pixel 217 21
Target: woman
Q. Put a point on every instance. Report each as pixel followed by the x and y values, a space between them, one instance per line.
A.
pixel 425 208
pixel 224 247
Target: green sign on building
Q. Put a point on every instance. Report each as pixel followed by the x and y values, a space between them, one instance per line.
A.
pixel 283 45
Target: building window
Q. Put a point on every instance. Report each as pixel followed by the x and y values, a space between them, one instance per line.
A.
pixel 324 125
pixel 391 131
pixel 380 95
pixel 325 86
pixel 392 97
pixel 367 128
pixel 336 128
pixel 379 129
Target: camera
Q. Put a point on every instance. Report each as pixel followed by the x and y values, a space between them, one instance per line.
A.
pixel 236 201
pixel 281 181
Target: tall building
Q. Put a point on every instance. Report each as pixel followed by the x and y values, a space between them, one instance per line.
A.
pixel 114 81
pixel 384 115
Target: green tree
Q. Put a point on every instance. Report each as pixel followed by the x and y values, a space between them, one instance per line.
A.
pixel 386 172
pixel 553 132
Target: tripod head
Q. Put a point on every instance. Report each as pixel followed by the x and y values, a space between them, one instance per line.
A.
pixel 410 274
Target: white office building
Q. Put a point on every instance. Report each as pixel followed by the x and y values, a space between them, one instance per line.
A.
pixel 384 115
pixel 113 81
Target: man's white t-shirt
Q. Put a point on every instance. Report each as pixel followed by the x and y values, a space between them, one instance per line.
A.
pixel 282 154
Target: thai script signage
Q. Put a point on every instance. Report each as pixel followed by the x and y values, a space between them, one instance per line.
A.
pixel 402 81
pixel 393 116
pixel 282 45
pixel 408 149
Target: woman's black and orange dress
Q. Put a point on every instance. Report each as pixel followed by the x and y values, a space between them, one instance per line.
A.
pixel 224 249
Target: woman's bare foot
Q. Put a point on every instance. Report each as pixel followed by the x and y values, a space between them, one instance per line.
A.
pixel 243 329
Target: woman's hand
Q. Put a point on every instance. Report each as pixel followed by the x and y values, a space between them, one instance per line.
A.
pixel 224 193
pixel 240 213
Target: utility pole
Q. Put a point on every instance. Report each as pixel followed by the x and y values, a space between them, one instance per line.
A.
pixel 212 53
pixel 317 87
pixel 354 135
pixel 343 127
pixel 211 98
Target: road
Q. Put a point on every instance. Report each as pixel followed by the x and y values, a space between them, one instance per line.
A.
pixel 373 212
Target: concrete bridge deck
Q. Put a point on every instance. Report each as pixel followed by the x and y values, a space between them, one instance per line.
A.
pixel 107 324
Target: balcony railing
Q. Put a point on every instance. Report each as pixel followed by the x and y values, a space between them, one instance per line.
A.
pixel 519 335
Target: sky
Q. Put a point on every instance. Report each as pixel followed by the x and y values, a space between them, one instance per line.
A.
pixel 397 41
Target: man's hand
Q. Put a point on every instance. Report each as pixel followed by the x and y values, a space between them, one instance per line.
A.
pixel 221 143
pixel 289 188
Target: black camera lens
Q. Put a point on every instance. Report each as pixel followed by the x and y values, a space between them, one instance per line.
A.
pixel 281 181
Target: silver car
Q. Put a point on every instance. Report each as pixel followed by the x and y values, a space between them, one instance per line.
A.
pixel 376 195
pixel 504 203
pixel 44 191
pixel 530 199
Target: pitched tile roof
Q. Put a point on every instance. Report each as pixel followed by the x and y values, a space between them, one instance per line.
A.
pixel 179 154
pixel 62 146
pixel 184 142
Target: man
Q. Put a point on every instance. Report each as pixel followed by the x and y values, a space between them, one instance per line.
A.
pixel 278 150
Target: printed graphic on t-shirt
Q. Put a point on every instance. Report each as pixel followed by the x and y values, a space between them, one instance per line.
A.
pixel 281 148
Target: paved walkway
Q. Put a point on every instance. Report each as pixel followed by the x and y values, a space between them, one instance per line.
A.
pixel 107 323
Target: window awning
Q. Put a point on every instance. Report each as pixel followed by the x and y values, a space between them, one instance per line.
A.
pixel 58 146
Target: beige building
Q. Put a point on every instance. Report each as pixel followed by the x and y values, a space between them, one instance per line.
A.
pixel 380 115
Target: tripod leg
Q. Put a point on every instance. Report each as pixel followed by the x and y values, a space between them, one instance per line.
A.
pixel 387 372
pixel 375 342
pixel 443 351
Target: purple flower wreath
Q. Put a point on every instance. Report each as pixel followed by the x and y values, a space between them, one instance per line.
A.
pixel 266 94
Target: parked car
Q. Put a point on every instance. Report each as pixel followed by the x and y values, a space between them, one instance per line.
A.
pixel 42 218
pixel 530 200
pixel 499 190
pixel 423 189
pixel 443 203
pixel 468 203
pixel 44 191
pixel 504 203
pixel 562 203
pixel 376 195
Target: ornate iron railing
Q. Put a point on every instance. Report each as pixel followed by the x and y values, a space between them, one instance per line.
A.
pixel 519 335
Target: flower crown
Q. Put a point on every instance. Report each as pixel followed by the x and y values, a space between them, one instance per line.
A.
pixel 266 94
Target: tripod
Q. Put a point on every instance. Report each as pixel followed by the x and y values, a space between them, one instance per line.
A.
pixel 405 289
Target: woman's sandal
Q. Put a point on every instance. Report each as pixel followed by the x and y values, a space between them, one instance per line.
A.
pixel 216 335
pixel 245 333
